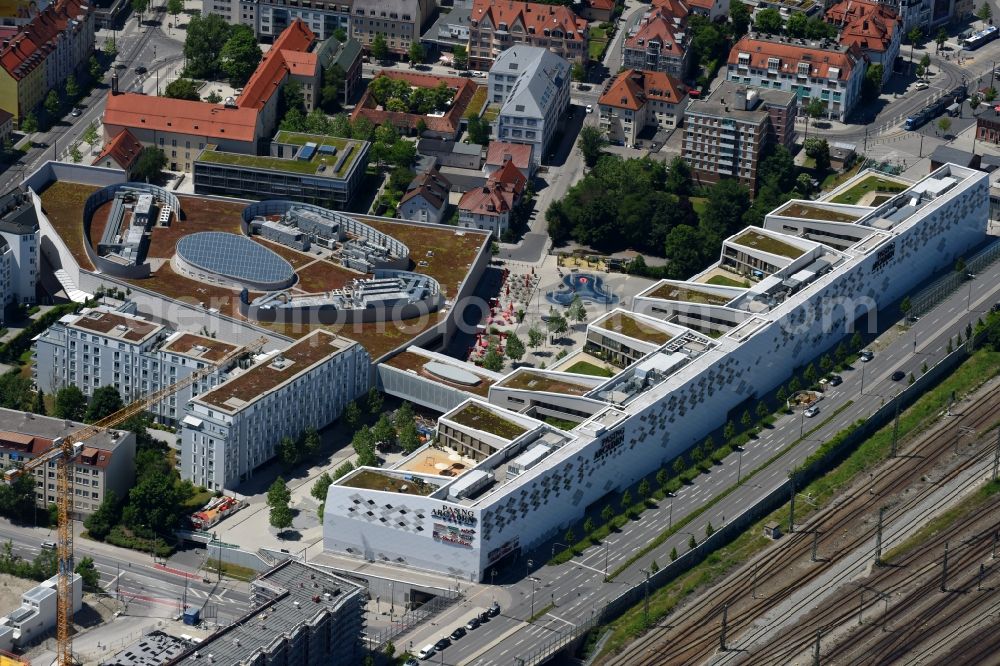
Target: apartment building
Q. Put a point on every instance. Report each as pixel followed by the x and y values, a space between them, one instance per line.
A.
pixel 108 347
pixel 659 41
pixel 57 42
pixel 821 70
pixel 490 207
pixel 19 253
pixel 494 27
pixel 426 198
pixel 400 22
pixel 106 461
pixel 725 134
pixel 233 429
pixel 121 152
pixel 531 84
pixel 269 18
pixel 873 27
pixel 636 100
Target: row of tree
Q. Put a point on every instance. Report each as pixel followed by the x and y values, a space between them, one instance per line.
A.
pixel 215 49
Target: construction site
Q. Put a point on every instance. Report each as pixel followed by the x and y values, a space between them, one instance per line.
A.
pixel 897 567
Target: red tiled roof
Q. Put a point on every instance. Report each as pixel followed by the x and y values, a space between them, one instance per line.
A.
pixel 660 25
pixel 33 42
pixel 533 16
pixel 676 8
pixel 602 5
pixel 25 444
pixel 181 116
pixel 790 55
pixel 294 40
pixel 632 88
pixel 431 185
pixel 124 149
pixel 500 194
pixel 447 124
pixel 509 176
pixel 702 4
pixel 499 152
pixel 868 24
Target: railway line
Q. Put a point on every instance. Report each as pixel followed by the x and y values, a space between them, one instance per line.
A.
pixel 784 570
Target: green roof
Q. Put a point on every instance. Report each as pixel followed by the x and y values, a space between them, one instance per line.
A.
pixel 476 417
pixel 766 243
pixel 294 165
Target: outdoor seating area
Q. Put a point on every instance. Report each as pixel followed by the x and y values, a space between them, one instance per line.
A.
pixel 437 460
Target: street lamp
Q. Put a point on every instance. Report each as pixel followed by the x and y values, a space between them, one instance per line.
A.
pixel 527 571
pixel 607 547
pixel 531 618
pixel 739 473
pixel 554 548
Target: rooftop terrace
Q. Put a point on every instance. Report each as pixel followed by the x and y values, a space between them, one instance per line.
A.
pixel 869 184
pixel 673 292
pixel 370 479
pixel 199 347
pixel 320 161
pixel 475 416
pixel 763 242
pixel 626 324
pixel 529 380
pixel 115 325
pixel 807 212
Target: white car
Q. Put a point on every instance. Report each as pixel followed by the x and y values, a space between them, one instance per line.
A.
pixel 590 108
pixel 479 75
pixel 811 412
pixel 921 85
pixel 427 651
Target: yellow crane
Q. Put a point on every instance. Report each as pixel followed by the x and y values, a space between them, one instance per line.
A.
pixel 64 451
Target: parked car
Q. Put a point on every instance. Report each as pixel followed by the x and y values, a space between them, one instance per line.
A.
pixel 49 545
pixel 458 633
pixel 921 85
pixel 473 623
pixel 898 376
pixel 494 609
pixel 442 643
pixel 479 75
pixel 411 662
pixel 811 412
pixel 836 380
pixel 590 108
pixel 866 355
pixel 484 617
pixel 141 70
pixel 426 652
pixel 75 112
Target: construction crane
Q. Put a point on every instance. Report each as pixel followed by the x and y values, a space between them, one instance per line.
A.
pixel 64 451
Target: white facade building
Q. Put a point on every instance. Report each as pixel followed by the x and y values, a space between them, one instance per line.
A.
pixel 532 86
pixel 19 258
pixel 497 481
pixel 28 624
pixel 231 430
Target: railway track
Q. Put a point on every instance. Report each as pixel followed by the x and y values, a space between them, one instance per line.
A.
pixel 695 637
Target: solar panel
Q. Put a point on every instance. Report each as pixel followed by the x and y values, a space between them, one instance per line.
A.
pixel 307 151
pixel 235 257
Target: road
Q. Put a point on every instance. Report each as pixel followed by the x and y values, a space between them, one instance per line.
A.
pixel 577 588
pixel 136 45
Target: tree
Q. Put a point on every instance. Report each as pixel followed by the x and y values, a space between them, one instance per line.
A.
pixel 678 466
pixel 570 536
pixel 384 432
pixel 38 403
pixel 175 7
pixel 746 421
pixel 409 437
pixel 139 6
pixel 88 572
pixel 150 164
pixel 921 70
pixel 974 102
pixel 29 123
pixel 709 530
pixel 729 431
pixel 280 517
pixel 810 374
pixel 814 108
pixel 984 13
pixel 579 72
pixel 416 53
pixel 797 25
pixel 781 396
pixel 364 445
pixel 914 35
pixel 607 513
pixel 626 501
pixel 460 55
pixel 108 514
pixel 739 17
pixel 74 153
pixel 213 97
pixel 871 87
pixel 692 543
pixel 989 95
pixel 72 88
pixel 322 484
pixel 345 469
pixel 479 130
pixel 240 55
pixel 515 348
pixel 70 403
pixel 90 134
pixel 683 248
pixel 794 385
pixel 105 402
pixel 352 414
pixel 94 68
pixel 577 311
pixel 332 92
pixel 278 493
pixel 825 364
pixel 379 49
pixel 182 89
pixel 941 37
pixel 110 47
pixel 762 410
pixel 311 442
pixel 492 360
pixel 678 180
pixel 52 103
pixel 944 124
pixel 375 401
pixel 768 21
pixel 588 525
pixel 556 324
pixel 203 44
pixel 535 336
pixel 591 145
pixel 662 478
pixel 673 551
pixel 644 490
pixel 154 502
pixel 819 150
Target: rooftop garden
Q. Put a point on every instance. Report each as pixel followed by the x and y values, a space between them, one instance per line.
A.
pixel 872 183
pixel 370 479
pixel 398 95
pixel 477 102
pixel 766 243
pixel 673 292
pixel 630 326
pixel 724 281
pixel 474 416
pixel 587 368
pixel 537 381
pixel 808 212
pixel 294 165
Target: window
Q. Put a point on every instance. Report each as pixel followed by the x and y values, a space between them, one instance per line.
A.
pixel 773 64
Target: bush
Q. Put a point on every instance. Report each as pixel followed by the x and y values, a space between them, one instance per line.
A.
pixel 120 536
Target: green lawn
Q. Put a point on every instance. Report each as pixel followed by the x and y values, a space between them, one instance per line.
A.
pixel 598 42
pixel 492 111
pixel 869 184
pixel 586 368
pixel 308 167
pixel 477 102
pixel 723 281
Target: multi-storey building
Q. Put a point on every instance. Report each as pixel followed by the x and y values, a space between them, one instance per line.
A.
pixel 399 22
pixel 269 18
pixel 636 100
pixel 874 27
pixel 494 27
pixel 233 429
pixel 19 253
pixel 988 125
pixel 107 347
pixel 426 197
pixel 490 207
pixel 57 42
pixel 659 40
pixel 499 480
pixel 726 133
pixel 105 463
pixel 821 70
pixel 532 86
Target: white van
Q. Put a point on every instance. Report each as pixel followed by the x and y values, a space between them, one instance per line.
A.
pixel 427 651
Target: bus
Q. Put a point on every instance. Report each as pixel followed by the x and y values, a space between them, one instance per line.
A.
pixel 980 38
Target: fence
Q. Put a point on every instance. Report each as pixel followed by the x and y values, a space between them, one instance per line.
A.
pixel 763 506
pixel 947 284
pixel 376 639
